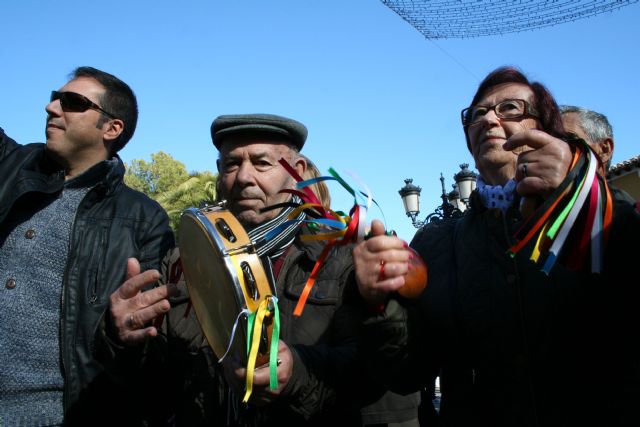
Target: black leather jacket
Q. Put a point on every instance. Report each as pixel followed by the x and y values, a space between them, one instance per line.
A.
pixel 112 223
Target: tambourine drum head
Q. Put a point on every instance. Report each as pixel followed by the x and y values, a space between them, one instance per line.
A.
pixel 212 286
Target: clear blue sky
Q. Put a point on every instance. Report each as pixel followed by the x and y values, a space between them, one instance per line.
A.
pixel 378 98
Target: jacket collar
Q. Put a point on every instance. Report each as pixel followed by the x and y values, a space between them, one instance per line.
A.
pixel 476 204
pixel 106 175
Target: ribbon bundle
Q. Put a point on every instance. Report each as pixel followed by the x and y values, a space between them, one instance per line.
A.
pixel 266 311
pixel 335 227
pixel 268 308
pixel 573 222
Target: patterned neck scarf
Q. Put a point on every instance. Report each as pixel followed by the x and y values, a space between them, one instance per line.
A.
pixel 275 246
pixel 496 196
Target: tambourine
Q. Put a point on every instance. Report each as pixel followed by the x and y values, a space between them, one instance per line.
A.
pixel 225 279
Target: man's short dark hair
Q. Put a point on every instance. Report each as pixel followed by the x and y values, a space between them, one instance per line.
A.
pixel 118 99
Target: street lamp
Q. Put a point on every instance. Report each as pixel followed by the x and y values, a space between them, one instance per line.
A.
pixel 453 204
pixel 465 183
pixel 411 199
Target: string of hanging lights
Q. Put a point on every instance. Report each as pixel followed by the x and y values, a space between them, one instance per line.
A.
pixel 442 19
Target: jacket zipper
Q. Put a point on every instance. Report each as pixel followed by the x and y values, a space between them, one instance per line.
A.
pixel 94 290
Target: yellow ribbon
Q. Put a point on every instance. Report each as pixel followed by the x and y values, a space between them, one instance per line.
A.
pixel 261 313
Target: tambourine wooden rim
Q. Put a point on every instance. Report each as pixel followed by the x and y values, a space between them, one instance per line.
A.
pixel 224 276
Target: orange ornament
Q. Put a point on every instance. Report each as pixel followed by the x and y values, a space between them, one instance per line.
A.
pixel 415 281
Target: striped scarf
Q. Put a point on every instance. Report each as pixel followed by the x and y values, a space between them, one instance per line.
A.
pixel 274 246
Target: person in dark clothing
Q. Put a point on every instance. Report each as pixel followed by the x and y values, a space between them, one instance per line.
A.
pixel 515 346
pixel 317 373
pixel 382 407
pixel 64 212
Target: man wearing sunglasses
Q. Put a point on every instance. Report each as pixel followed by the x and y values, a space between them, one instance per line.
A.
pixel 68 223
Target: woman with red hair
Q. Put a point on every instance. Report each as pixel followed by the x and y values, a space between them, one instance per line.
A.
pixel 518 338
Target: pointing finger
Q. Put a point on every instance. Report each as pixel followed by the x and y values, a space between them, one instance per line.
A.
pixel 533 138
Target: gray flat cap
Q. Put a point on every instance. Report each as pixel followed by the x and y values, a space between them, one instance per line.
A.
pixel 258 125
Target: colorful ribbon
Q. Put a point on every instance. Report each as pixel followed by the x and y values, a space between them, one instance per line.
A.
pixel 328 225
pixel 573 223
pixel 268 308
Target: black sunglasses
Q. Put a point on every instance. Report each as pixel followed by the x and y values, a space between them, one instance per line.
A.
pixel 76 103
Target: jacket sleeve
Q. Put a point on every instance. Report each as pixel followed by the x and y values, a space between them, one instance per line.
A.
pixel 402 342
pixel 155 241
pixel 386 337
pixel 193 391
pixel 618 305
pixel 321 371
pixel 6 144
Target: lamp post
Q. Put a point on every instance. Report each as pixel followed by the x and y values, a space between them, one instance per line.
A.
pixel 465 183
pixel 411 199
pixel 453 204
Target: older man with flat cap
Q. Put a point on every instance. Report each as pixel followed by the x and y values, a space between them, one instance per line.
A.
pixel 317 351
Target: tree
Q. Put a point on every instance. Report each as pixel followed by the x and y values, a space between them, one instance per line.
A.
pixel 162 174
pixel 199 188
pixel 167 181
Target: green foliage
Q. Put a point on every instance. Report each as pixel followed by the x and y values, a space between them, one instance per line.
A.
pixel 156 177
pixel 167 181
pixel 197 188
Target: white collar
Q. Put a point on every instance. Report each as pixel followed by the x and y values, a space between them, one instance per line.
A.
pixel 496 196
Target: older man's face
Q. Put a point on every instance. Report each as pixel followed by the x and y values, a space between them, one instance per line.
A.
pixel 251 177
pixel 603 148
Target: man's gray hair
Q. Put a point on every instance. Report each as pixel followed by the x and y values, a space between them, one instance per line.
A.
pixel 595 125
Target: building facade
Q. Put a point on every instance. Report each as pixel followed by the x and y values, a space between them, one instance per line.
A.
pixel 626 176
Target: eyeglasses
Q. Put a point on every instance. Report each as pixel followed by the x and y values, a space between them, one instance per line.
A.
pixel 76 103
pixel 507 109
